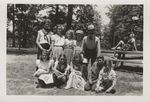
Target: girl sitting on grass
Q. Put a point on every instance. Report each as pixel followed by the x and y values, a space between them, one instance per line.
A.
pixel 60 70
pixel 44 72
pixel 107 79
pixel 75 78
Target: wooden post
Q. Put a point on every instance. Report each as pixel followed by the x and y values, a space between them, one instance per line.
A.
pixel 123 56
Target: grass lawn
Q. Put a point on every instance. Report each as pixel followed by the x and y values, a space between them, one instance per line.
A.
pixel 20 79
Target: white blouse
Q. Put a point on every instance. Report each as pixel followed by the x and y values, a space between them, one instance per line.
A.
pixel 44 38
pixel 58 41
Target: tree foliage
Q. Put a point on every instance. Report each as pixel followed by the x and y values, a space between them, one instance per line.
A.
pixel 123 20
pixel 27 20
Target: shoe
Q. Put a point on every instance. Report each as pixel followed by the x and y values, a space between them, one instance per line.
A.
pixel 38 86
pixel 66 87
pixel 54 87
pixel 113 48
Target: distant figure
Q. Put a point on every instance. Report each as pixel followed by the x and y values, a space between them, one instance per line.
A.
pixel 44 72
pixel 60 70
pixel 58 42
pixel 107 79
pixel 129 46
pixel 93 74
pixel 91 45
pixel 69 45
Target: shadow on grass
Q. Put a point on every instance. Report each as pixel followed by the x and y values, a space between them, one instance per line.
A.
pixel 130 69
pixel 17 51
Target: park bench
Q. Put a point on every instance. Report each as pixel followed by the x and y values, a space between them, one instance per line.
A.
pixel 121 57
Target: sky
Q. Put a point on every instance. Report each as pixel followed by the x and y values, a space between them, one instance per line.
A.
pixel 102 9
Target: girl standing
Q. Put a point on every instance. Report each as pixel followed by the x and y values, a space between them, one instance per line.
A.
pixel 58 42
pixel 44 38
pixel 69 45
pixel 79 37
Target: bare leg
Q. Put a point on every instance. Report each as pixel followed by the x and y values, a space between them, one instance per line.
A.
pixel 120 44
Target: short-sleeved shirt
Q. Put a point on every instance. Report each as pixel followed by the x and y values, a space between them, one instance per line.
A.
pixel 78 44
pixel 58 41
pixel 104 76
pixel 45 38
pixel 69 43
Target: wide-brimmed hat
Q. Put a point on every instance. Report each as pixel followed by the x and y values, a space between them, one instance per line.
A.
pixel 79 32
pixel 91 27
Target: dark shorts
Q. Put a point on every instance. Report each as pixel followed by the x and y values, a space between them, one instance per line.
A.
pixel 59 82
pixel 91 54
pixel 45 46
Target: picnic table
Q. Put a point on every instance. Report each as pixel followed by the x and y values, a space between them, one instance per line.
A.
pixel 121 57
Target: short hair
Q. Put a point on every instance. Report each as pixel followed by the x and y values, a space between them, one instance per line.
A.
pixel 45 21
pixel 102 57
pixel 71 32
pixel 46 54
pixel 108 62
pixel 58 26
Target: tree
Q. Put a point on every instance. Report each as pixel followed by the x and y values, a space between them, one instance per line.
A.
pixel 11 16
pixel 69 16
pixel 123 20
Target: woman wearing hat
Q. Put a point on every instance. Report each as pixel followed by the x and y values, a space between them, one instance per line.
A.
pixel 78 50
pixel 91 45
pixel 79 38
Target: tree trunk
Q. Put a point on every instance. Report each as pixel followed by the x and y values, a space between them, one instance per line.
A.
pixel 56 20
pixel 19 39
pixel 24 42
pixel 69 17
pixel 13 43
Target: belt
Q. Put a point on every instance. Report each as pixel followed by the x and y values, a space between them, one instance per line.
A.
pixel 58 45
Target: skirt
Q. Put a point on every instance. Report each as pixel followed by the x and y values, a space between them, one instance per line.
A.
pixel 69 55
pixel 47 78
pixel 76 81
pixel 57 51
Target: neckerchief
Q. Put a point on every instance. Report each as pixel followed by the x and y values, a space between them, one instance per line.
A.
pixel 45 34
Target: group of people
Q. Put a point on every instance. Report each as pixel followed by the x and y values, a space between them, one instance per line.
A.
pixel 63 61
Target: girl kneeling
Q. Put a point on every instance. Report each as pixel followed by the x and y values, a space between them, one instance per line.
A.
pixel 107 79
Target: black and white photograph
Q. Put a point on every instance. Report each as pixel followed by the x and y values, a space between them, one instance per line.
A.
pixel 74 49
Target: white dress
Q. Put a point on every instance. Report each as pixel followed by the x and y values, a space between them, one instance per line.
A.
pixel 43 67
pixel 58 45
